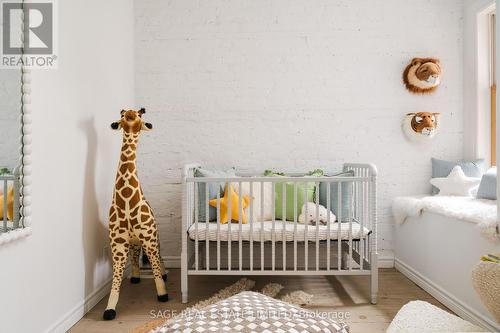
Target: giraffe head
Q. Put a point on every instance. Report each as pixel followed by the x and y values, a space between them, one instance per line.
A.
pixel 131 122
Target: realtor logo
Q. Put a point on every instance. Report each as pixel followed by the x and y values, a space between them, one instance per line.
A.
pixel 28 32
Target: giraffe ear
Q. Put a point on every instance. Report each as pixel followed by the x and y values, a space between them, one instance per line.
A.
pixel 115 125
pixel 147 126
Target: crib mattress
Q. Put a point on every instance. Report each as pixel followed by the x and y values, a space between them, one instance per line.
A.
pixel 263 231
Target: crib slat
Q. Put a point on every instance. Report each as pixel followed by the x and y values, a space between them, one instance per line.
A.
pixel 261 227
pixel 283 234
pixel 273 236
pixel 251 225
pixel 328 194
pixel 240 257
pixel 306 233
pixel 295 209
pixel 196 209
pixel 317 225
pixel 349 264
pixel 339 222
pixel 218 230
pixel 229 221
pixel 17 197
pixel 373 221
pixel 5 191
pixel 361 224
pixel 207 216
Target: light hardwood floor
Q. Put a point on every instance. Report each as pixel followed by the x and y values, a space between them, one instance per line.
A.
pixel 343 295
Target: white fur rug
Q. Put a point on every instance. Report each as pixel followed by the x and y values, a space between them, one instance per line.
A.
pixel 482 212
pixel 419 317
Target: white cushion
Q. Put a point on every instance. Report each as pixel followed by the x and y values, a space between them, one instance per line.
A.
pixel 457 183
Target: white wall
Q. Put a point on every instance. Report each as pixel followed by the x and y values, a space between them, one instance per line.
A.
pixel 46 278
pixel 291 85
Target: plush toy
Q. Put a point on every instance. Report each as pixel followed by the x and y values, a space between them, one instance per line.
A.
pixel 10 204
pixel 421 126
pixel 132 224
pixel 422 75
pixel 229 192
pixel 311 214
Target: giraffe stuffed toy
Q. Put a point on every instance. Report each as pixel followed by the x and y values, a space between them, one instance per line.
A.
pixel 131 221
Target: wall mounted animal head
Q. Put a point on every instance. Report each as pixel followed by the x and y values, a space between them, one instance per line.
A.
pixel 421 125
pixel 422 75
pixel 131 122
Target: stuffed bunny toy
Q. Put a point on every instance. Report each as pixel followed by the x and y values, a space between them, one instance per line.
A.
pixel 311 214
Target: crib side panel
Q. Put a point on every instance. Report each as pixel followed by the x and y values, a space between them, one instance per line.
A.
pixel 239 245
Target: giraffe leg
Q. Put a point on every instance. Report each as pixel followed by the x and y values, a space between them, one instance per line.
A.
pixel 119 250
pixel 162 264
pixel 136 252
pixel 150 246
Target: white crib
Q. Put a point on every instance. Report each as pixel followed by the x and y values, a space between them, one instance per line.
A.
pixel 280 247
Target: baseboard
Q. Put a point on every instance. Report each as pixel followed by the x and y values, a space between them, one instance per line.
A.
pixel 386 259
pixel 172 261
pixel 444 297
pixel 71 317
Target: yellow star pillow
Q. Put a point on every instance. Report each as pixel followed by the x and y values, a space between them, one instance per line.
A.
pixel 10 204
pixel 235 206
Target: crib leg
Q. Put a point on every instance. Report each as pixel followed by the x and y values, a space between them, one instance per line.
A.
pixel 374 278
pixel 184 284
pixel 185 296
pixel 184 273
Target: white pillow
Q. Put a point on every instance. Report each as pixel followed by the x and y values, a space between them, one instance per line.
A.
pixel 456 184
pixel 256 200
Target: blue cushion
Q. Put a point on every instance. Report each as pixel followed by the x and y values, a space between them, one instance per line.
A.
pixel 346 194
pixel 488 186
pixel 213 189
pixel 442 168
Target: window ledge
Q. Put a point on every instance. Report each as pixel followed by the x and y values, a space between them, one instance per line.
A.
pixel 13 235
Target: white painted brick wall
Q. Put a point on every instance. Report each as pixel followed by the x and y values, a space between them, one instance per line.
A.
pixel 291 85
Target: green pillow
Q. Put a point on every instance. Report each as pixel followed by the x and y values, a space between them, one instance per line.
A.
pixel 213 189
pixel 302 197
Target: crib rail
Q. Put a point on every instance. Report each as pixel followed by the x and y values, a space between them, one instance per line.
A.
pixel 280 246
pixel 10 182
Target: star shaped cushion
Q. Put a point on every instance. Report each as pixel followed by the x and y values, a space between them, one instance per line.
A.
pixel 456 184
pixel 235 206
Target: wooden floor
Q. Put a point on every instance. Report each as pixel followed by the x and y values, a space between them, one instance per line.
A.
pixel 344 295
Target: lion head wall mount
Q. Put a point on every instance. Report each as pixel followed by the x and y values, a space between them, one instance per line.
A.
pixel 421 126
pixel 422 75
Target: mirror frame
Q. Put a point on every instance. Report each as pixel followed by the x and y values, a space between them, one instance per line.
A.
pixel 24 168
